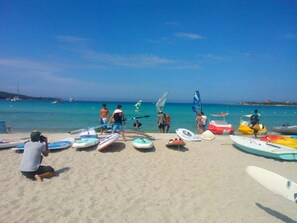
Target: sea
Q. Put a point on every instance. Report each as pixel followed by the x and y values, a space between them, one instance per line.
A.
pixel 27 115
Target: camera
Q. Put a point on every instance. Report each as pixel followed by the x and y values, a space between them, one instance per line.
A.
pixel 42 138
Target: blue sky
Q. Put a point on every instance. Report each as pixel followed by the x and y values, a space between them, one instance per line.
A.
pixel 231 51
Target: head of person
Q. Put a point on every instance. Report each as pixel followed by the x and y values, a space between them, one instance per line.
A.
pixel 256 110
pixel 104 105
pixel 119 106
pixel 35 136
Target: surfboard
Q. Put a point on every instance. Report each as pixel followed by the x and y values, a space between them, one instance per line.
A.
pixel 62 144
pixel 108 141
pixel 85 143
pixel 274 182
pixel 91 133
pixel 58 145
pixel 7 144
pixel 186 134
pixel 142 143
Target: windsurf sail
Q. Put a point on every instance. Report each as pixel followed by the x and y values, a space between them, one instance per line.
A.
pixel 196 106
pixel 161 102
pixel 137 105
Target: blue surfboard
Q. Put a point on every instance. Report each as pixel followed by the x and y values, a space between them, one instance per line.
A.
pixel 61 144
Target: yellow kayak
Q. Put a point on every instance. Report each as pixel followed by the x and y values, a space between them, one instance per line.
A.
pixel 246 130
pixel 285 141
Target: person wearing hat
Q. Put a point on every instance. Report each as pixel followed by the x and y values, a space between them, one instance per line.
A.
pixel 31 161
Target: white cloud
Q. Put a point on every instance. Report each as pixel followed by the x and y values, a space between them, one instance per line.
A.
pixel 71 39
pixel 25 64
pixel 190 36
pixel 136 61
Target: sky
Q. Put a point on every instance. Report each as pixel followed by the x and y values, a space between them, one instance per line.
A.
pixel 231 51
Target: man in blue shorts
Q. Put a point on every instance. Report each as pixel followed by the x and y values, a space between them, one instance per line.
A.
pixel 118 117
pixel 103 117
pixel 32 157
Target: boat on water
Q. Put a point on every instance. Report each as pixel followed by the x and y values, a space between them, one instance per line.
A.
pixel 265 149
pixel 286 129
pixel 220 127
pixel 16 98
pixel 282 140
pixel 245 128
pixel 58 101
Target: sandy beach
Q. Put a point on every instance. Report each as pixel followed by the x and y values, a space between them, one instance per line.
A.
pixel 205 182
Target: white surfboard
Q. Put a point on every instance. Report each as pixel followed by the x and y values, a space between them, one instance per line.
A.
pixel 85 143
pixel 91 133
pixel 186 134
pixel 108 141
pixel 7 144
pixel 274 182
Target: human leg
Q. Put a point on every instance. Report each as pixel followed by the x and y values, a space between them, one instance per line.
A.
pixel 44 172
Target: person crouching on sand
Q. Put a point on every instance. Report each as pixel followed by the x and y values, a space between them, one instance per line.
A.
pixel 31 161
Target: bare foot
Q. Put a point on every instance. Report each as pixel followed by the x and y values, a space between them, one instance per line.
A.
pixel 38 178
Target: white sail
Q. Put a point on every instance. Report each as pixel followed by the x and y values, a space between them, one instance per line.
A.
pixel 137 105
pixel 161 102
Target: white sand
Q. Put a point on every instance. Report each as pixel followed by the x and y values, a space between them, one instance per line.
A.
pixel 204 183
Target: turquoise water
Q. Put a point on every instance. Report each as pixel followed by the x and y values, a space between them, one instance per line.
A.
pixel 24 116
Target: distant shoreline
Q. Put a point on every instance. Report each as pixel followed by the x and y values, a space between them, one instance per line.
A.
pixel 287 104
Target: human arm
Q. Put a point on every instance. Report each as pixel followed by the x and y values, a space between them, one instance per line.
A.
pixel 46 151
pixel 111 118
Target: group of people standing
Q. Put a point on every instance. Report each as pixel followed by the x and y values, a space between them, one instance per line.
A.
pixel 163 121
pixel 201 121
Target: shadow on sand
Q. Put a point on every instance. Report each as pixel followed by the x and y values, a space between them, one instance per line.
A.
pixel 115 147
pixel 276 214
pixel 62 170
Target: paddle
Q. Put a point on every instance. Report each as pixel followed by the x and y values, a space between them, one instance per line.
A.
pixel 103 125
pixel 137 117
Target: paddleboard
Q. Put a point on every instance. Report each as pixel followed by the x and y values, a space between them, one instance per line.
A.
pixel 6 144
pixel 274 182
pixel 61 144
pixel 108 141
pixel 142 143
pixel 207 135
pixel 175 143
pixel 85 143
pixel 186 134
pixel 91 133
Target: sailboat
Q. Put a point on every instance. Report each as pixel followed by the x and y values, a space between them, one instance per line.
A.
pixel 16 98
pixel 161 102
pixel 137 105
